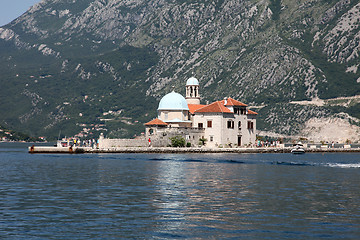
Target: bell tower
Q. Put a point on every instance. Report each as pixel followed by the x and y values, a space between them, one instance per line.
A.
pixel 192 91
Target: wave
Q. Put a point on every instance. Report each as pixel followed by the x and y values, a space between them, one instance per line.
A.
pixel 159 159
pixel 293 163
pixel 193 160
pixel 344 165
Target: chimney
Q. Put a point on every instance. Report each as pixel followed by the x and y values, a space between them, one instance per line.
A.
pixel 225 101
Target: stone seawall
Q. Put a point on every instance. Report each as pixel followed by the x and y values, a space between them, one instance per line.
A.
pixel 217 150
pixel 75 150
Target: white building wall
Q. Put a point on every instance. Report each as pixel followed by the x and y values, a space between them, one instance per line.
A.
pixel 251 133
pixel 219 135
pixel 214 134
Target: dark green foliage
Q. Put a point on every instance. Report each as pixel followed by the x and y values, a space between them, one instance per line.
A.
pixel 202 141
pixel 354 110
pixel 275 6
pixel 177 141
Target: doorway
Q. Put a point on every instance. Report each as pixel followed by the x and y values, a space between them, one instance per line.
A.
pixel 239 141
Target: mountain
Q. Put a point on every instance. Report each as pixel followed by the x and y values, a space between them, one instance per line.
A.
pixel 102 65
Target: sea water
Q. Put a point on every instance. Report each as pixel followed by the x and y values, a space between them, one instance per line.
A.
pixel 178 196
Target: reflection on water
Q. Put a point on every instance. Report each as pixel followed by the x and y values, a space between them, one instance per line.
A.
pixel 199 196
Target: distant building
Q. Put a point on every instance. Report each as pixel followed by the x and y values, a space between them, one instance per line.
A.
pixel 224 123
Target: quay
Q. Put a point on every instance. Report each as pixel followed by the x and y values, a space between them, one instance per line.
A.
pixel 89 150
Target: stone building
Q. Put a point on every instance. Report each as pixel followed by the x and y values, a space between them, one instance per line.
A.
pixel 224 123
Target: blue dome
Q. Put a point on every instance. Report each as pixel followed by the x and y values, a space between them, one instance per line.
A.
pixel 173 101
pixel 192 81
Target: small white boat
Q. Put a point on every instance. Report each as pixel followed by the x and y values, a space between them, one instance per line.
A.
pixel 298 149
pixel 64 143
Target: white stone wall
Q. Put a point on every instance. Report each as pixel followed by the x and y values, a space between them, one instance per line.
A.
pixel 220 135
pixel 160 136
pixel 105 143
pixel 213 134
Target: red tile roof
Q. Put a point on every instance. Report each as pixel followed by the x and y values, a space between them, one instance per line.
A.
pixel 156 122
pixel 252 112
pixel 194 107
pixel 216 107
pixel 233 102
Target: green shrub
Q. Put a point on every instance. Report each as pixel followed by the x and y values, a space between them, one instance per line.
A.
pixel 202 141
pixel 177 141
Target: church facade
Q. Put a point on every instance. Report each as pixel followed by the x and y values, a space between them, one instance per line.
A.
pixel 224 123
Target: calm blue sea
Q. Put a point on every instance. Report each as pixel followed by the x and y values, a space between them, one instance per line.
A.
pixel 178 196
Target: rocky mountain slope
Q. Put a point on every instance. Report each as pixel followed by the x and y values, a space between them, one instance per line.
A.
pixel 102 65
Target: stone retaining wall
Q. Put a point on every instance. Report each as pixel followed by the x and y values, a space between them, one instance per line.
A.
pixel 105 143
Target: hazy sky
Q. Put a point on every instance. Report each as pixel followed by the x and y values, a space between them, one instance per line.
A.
pixel 11 9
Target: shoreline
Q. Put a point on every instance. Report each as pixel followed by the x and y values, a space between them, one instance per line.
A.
pixel 89 150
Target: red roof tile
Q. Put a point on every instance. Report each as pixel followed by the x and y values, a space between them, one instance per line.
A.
pixel 252 112
pixel 156 122
pixel 194 107
pixel 216 107
pixel 233 102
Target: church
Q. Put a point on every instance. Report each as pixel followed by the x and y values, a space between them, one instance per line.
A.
pixel 224 123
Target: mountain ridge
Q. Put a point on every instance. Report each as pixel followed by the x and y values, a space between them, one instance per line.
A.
pixel 260 52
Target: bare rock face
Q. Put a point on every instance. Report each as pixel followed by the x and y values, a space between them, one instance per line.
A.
pixel 331 130
pixel 264 52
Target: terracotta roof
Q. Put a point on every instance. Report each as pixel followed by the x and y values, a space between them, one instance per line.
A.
pixel 194 107
pixel 233 102
pixel 216 107
pixel 252 112
pixel 156 122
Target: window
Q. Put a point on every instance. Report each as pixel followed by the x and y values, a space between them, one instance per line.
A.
pixel 211 138
pixel 230 124
pixel 200 125
pixel 250 125
pixel 239 125
pixel 209 124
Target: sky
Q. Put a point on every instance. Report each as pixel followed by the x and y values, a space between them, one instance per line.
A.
pixel 11 9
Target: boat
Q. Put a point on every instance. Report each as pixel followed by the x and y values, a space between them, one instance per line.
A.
pixel 64 143
pixel 298 149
